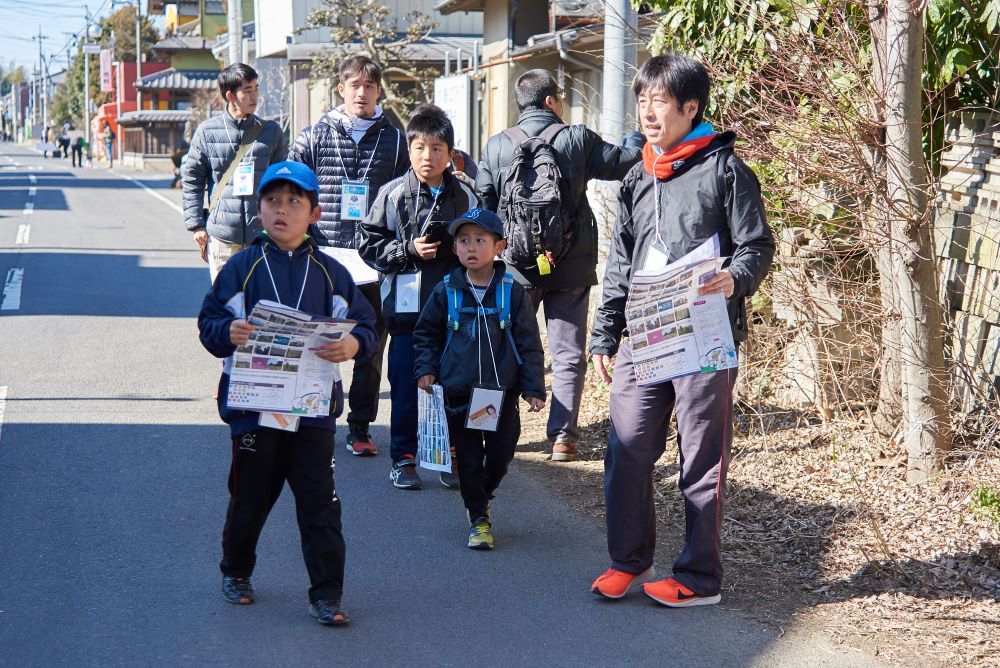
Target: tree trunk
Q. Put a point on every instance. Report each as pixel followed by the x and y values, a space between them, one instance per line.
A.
pixel 925 415
pixel 889 413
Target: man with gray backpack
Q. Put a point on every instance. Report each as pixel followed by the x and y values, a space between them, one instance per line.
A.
pixel 534 175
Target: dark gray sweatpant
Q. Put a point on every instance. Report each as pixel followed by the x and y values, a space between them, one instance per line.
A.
pixel 639 419
pixel 566 328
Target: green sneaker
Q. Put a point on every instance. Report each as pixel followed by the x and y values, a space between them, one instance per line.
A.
pixel 481 534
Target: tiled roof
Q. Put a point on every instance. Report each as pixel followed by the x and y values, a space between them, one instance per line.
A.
pixel 155 116
pixel 449 6
pixel 430 49
pixel 184 43
pixel 180 80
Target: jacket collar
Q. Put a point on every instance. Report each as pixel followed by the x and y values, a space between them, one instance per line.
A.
pixel 538 115
pixel 337 119
pixel 241 124
pixel 457 277
pixel 418 187
pixel 722 142
pixel 267 246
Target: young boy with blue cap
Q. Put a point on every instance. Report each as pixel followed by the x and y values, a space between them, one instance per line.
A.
pixel 477 334
pixel 283 265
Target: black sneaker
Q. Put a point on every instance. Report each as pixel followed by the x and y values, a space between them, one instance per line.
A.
pixel 328 613
pixel 403 473
pixel 450 478
pixel 238 591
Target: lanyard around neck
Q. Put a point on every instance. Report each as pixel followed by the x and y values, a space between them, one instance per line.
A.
pixel 277 297
pixel 362 177
pixel 411 207
pixel 480 313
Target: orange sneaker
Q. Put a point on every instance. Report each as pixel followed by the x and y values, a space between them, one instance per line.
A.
pixel 615 584
pixel 673 594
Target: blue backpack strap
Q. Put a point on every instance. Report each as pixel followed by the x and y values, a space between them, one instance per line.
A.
pixel 454 299
pixel 503 291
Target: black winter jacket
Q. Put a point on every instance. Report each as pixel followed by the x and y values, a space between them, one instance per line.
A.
pixel 328 148
pixel 713 192
pixel 455 365
pixel 245 280
pixel 385 238
pixel 582 156
pixel 213 148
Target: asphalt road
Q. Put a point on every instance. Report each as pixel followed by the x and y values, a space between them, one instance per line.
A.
pixel 113 466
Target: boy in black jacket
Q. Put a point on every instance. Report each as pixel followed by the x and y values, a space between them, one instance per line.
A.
pixel 480 313
pixel 405 238
pixel 282 265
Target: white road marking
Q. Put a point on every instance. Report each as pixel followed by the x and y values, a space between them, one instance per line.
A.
pixel 12 290
pixel 22 234
pixel 31 191
pixel 33 179
pixel 29 208
pixel 172 205
pixel 3 403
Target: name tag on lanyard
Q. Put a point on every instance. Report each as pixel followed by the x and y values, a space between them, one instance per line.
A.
pixel 243 179
pixel 354 199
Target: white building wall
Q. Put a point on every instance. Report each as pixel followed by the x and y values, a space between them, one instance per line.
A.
pixel 276 20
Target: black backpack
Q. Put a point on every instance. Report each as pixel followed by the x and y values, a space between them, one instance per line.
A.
pixel 536 220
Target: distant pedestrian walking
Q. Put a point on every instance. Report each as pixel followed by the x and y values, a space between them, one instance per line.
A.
pixel 108 137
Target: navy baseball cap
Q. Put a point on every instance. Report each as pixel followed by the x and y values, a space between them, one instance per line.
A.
pixel 294 172
pixel 484 218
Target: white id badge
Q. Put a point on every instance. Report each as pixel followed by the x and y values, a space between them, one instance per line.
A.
pixel 484 407
pixel 407 293
pixel 243 179
pixel 353 200
pixel 280 421
pixel 655 259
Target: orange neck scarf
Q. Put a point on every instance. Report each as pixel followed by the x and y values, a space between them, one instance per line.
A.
pixel 661 165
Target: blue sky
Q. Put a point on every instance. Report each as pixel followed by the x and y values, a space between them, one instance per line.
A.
pixel 21 19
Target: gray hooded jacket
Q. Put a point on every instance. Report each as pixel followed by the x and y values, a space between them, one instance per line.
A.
pixel 213 147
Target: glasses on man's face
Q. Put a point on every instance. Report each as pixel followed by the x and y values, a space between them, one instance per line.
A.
pixel 562 94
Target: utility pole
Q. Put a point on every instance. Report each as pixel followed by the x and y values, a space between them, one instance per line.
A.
pixel 235 17
pixel 620 35
pixel 138 55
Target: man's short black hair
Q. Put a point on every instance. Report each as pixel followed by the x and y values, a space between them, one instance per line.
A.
pixel 681 77
pixel 359 65
pixel 533 87
pixel 430 121
pixel 295 189
pixel 234 76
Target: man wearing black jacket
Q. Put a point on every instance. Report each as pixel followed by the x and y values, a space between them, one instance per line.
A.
pixel 353 149
pixel 688 188
pixel 582 155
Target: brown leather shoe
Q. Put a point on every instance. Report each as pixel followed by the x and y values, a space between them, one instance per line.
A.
pixel 564 451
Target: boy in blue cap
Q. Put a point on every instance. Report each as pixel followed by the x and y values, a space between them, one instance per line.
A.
pixel 282 265
pixel 478 312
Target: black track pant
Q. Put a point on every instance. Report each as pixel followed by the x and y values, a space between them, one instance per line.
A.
pixel 483 456
pixel 262 461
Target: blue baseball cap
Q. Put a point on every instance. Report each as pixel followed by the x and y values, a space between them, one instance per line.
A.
pixel 484 218
pixel 289 170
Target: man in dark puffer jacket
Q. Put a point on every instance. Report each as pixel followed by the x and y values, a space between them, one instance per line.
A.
pixel 354 145
pixel 582 155
pixel 233 223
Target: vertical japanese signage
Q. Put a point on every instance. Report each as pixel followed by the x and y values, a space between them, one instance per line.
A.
pixel 453 95
pixel 106 83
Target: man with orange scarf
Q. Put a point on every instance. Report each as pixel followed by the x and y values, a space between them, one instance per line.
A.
pixel 688 188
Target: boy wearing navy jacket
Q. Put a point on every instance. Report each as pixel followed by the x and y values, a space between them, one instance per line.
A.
pixel 479 327
pixel 405 238
pixel 283 265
